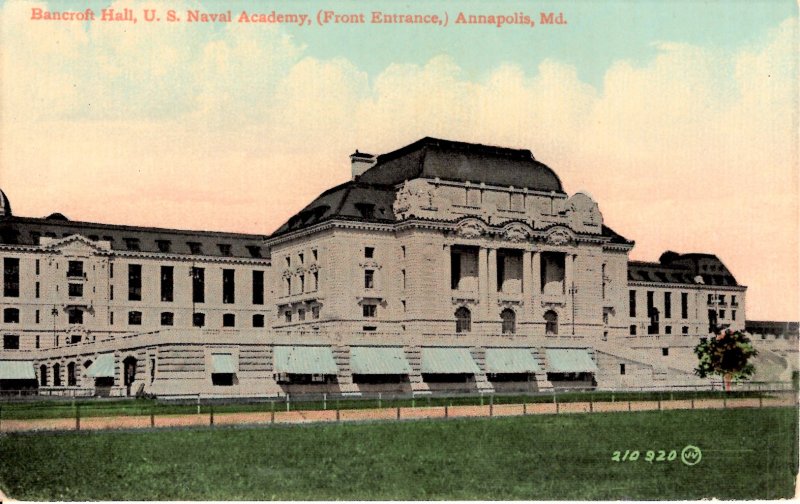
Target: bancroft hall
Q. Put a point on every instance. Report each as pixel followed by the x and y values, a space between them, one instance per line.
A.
pixel 439 266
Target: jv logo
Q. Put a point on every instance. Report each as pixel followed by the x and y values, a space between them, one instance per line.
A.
pixel 691 455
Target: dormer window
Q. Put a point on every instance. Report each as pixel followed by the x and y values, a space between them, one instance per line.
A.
pixel 224 249
pixel 195 248
pixel 367 210
pixel 94 237
pixel 164 245
pixel 35 235
pixel 255 250
pixel 132 243
pixel 108 238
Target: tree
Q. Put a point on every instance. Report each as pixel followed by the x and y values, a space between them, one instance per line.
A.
pixel 727 354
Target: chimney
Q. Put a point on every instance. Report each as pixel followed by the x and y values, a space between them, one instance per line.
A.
pixel 361 162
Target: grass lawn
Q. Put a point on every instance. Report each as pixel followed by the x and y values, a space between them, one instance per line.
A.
pixel 61 408
pixel 746 454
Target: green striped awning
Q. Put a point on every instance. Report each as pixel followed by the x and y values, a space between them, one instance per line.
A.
pixel 448 361
pixel 222 363
pixel 304 360
pixel 103 367
pixel 378 360
pixel 17 370
pixel 510 360
pixel 570 360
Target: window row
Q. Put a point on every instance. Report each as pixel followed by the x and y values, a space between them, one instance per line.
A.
pixel 288 316
pixel 198 319
pixel 198 277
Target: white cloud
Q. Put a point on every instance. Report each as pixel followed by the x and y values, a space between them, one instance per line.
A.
pixel 693 150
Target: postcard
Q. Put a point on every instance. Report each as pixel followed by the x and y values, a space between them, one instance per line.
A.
pixel 386 250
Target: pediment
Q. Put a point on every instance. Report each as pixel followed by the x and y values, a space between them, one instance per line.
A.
pixel 75 243
pixel 471 227
pixel 560 235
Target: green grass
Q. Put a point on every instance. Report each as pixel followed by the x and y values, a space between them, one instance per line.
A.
pixel 746 454
pixel 60 408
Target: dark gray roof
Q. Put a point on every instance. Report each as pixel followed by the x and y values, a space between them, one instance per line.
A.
pixel 27 230
pixel 682 268
pixel 462 162
pixel 351 200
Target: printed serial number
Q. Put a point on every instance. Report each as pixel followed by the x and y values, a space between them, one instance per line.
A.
pixel 647 456
pixel 690 455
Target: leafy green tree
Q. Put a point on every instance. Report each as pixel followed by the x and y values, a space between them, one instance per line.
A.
pixel 727 354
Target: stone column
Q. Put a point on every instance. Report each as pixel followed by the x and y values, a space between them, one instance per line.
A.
pixel 483 279
pixel 536 271
pixel 527 275
pixel 492 291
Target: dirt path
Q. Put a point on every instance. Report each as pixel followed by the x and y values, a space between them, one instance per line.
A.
pixel 376 414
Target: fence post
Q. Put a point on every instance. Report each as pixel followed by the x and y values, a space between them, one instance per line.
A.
pixel 724 402
pixel 692 402
pixel 272 412
pixel 591 405
pixel 629 405
pixel 760 401
pixel 287 402
pixel 198 404
pixel 324 400
pixel 211 415
pixel 152 419
pixel 338 417
pixel 398 412
pixel 77 417
pixel 446 412
pixel 380 397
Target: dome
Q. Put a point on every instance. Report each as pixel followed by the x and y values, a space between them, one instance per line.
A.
pixel 5 205
pixel 57 216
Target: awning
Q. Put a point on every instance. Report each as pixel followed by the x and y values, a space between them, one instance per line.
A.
pixel 510 360
pixel 448 361
pixel 17 370
pixel 103 367
pixel 378 360
pixel 570 360
pixel 222 363
pixel 304 360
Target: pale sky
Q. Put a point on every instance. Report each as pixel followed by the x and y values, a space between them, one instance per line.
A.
pixel 680 118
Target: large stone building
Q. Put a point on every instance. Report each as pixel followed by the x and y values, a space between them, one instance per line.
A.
pixel 440 266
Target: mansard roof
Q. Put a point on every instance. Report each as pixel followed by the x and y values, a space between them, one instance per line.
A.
pixel 682 269
pixel 28 230
pixel 463 162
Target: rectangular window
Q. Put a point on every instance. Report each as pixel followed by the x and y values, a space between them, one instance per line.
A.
pixel 74 269
pixel 632 303
pixel 134 318
pixel 228 286
pixel 722 314
pixel 75 316
pixel 111 318
pixel 37 271
pixel 316 281
pixel 733 314
pixel 667 305
pixel 684 305
pixel 633 330
pixel 111 293
pixel 10 277
pixel 37 290
pixel 370 310
pixel 403 284
pixel 369 252
pixel 258 320
pixel 37 316
pixel 315 312
pixel 134 282
pixel 258 287
pixel 287 316
pixel 195 248
pixel 111 270
pixel 455 270
pixel 665 351
pixel 685 330
pixel 302 284
pixel 167 318
pixel 369 279
pixel 622 369
pixel 199 319
pixel 722 299
pixel 131 243
pixel 167 283
pixel 650 303
pixel 733 301
pixel 301 314
pixel 255 251
pixel 287 286
pixel 75 290
pixel 164 245
pixel 668 329
pixel 37 341
pixel 224 249
pixel 228 320
pixel 10 342
pixel 198 285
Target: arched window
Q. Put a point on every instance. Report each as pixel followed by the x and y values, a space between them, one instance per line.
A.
pixel 551 322
pixel 509 319
pixel 463 320
pixel 43 375
pixel 56 375
pixel 72 380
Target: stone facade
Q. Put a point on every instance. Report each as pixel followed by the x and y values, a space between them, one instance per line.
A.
pixel 436 245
